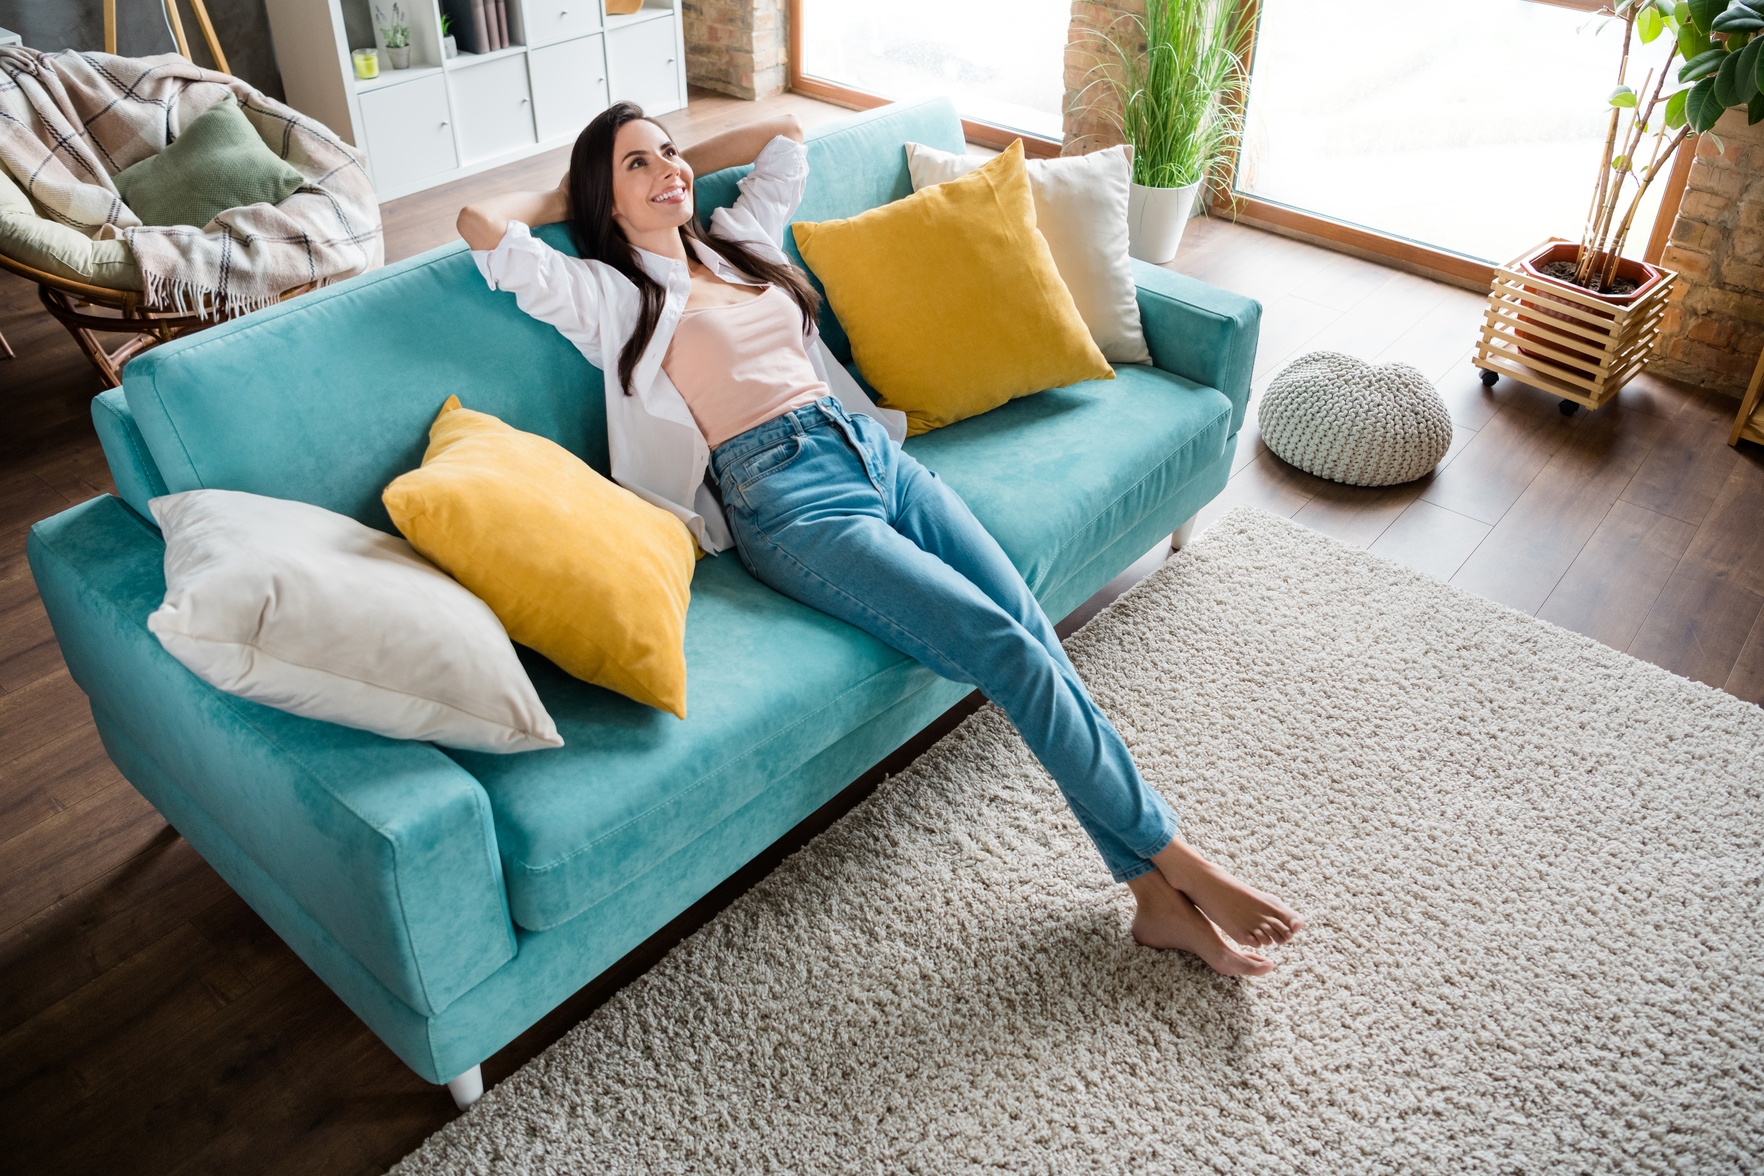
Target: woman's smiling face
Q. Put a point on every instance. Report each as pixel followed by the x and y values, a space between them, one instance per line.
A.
pixel 652 185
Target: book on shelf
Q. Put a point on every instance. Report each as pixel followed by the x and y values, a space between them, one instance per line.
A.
pixel 469 31
pixel 502 24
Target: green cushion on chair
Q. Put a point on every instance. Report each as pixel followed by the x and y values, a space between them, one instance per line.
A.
pixel 216 164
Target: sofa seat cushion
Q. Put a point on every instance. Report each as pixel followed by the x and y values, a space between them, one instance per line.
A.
pixel 1057 476
pixel 771 683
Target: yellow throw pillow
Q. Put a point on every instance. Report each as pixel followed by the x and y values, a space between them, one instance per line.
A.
pixel 951 298
pixel 580 569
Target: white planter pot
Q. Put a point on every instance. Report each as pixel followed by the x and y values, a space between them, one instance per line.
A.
pixel 1155 220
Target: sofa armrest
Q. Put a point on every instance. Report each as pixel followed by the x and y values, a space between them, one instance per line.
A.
pixel 1200 332
pixel 388 845
pixel 131 466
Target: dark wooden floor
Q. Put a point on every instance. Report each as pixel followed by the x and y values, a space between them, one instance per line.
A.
pixel 150 1023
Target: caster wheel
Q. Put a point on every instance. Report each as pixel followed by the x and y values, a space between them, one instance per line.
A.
pixel 1489 378
pixel 1568 408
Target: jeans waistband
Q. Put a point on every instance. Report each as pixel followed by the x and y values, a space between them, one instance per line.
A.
pixel 822 413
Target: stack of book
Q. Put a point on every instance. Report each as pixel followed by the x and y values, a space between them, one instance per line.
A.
pixel 479 26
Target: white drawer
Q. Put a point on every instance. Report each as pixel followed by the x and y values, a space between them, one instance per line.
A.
pixel 494 109
pixel 407 132
pixel 569 85
pixel 643 64
pixel 559 20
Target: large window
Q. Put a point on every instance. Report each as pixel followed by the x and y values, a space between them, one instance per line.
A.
pixel 1472 126
pixel 1001 61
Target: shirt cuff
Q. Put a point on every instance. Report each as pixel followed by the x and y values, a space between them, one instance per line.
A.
pixel 492 263
pixel 783 156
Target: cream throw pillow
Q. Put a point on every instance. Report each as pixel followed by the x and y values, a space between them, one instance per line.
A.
pixel 1081 210
pixel 311 612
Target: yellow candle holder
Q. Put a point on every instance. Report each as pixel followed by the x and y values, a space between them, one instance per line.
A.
pixel 367 63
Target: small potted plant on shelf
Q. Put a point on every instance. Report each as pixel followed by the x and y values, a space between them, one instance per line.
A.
pixel 1580 319
pixel 1168 82
pixel 395 33
pixel 449 46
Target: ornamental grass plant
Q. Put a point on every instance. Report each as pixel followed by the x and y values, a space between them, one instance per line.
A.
pixel 1171 82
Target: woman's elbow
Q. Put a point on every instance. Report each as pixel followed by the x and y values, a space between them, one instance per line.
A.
pixel 476 228
pixel 790 128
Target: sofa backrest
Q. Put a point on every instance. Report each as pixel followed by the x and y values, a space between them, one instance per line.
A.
pixel 328 397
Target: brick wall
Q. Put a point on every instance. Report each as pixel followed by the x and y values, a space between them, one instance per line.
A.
pixel 1714 327
pixel 738 47
pixel 1086 129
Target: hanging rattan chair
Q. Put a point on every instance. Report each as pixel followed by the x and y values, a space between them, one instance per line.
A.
pixel 115 304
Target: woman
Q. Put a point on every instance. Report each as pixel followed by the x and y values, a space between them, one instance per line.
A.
pixel 714 363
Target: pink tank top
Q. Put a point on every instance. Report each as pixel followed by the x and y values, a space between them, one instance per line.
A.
pixel 739 366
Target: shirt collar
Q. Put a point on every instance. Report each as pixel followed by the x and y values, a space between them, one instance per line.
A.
pixel 663 269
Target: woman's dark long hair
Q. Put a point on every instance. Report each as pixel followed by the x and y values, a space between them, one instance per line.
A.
pixel 599 237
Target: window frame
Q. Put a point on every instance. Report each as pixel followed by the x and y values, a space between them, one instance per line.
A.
pixel 1224 199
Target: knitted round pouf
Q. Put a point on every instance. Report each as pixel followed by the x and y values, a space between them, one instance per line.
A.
pixel 1343 419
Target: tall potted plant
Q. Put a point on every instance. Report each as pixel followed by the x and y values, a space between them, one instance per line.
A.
pixel 1168 82
pixel 1579 318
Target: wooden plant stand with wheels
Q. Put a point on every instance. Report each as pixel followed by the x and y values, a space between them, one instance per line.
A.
pixel 74 305
pixel 1566 341
pixel 1749 424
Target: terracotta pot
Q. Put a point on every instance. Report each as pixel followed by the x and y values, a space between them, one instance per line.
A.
pixel 1646 277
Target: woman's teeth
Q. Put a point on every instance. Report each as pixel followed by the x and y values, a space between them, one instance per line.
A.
pixel 671 196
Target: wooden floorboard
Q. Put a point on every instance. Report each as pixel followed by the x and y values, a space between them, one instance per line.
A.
pixel 150 1022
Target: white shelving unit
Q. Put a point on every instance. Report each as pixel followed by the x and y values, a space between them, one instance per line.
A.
pixel 444 118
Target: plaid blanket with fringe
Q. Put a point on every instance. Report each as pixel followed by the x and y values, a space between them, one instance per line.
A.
pixel 70 121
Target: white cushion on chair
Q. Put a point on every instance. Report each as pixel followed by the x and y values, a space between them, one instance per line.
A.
pixel 1343 419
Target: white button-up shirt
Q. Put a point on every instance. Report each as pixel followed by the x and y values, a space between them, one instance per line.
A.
pixel 657 450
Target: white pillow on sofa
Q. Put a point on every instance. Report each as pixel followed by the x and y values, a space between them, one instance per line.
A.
pixel 1081 209
pixel 308 611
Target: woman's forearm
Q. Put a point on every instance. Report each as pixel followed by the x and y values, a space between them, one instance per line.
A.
pixel 739 146
pixel 483 224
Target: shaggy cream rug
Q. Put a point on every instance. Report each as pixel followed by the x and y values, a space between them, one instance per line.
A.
pixel 1530 867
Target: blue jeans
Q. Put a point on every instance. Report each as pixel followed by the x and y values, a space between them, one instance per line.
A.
pixel 826 509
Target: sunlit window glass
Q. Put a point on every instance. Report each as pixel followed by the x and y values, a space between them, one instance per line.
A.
pixel 1001 61
pixel 1470 125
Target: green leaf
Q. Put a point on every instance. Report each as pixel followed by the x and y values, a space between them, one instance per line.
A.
pixel 1755 110
pixel 1702 65
pixel 1702 109
pixel 1648 24
pixel 1675 109
pixel 1690 42
pixel 1620 163
pixel 1720 147
pixel 1732 88
pixel 1623 96
pixel 1738 20
pixel 1748 66
pixel 1704 12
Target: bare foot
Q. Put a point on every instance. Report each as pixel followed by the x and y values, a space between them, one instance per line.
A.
pixel 1242 912
pixel 1168 921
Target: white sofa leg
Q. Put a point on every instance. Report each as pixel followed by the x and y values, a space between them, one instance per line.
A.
pixel 467 1088
pixel 1183 534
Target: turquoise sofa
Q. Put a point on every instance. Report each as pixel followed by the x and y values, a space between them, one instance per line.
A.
pixel 451 898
